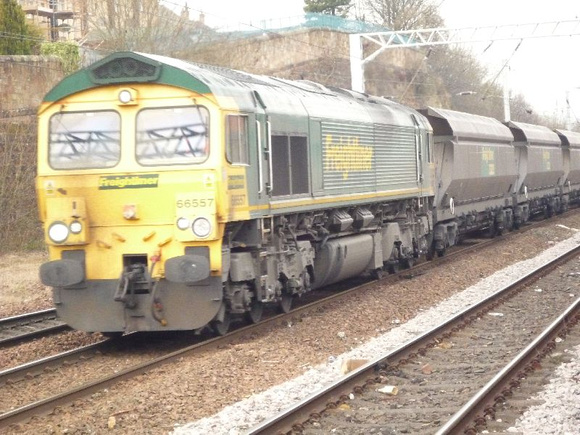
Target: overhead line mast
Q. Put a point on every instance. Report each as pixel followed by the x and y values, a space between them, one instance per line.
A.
pixel 446 36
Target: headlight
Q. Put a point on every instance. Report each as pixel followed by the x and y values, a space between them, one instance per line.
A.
pixel 58 232
pixel 201 227
pixel 183 223
pixel 76 227
pixel 125 96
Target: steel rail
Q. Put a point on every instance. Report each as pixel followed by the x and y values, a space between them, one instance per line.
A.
pixel 486 398
pixel 50 403
pixel 51 312
pixel 27 317
pixel 317 402
pixel 46 405
pixel 31 320
pixel 18 372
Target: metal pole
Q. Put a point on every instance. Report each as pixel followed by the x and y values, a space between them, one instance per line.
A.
pixel 506 97
pixel 357 78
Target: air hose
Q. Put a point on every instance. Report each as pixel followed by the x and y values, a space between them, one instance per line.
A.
pixel 156 304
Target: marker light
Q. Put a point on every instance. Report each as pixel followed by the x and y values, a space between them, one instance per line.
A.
pixel 201 227
pixel 58 232
pixel 130 211
pixel 76 227
pixel 183 223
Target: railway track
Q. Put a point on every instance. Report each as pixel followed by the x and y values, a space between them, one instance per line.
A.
pixel 37 324
pixel 29 325
pixel 14 408
pixel 17 378
pixel 496 396
pixel 451 379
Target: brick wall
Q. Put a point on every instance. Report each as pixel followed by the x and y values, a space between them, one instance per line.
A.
pixel 24 80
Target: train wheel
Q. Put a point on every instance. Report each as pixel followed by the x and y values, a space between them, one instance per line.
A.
pixel 440 252
pixel 509 227
pixel 377 274
pixel 285 304
pixel 393 268
pixel 407 263
pixel 222 328
pixel 430 255
pixel 255 313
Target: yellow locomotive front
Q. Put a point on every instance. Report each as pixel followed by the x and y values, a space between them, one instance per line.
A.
pixel 129 184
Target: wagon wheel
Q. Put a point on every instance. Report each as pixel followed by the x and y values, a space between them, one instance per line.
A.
pixel 285 304
pixel 306 281
pixel 255 313
pixel 222 328
pixel 377 274
pixel 430 255
pixel 509 226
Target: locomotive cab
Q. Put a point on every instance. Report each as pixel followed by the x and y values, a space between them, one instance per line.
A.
pixel 129 192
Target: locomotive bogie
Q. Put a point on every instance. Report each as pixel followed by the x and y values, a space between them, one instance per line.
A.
pixel 445 235
pixel 300 252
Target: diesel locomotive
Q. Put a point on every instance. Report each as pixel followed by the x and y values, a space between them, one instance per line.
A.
pixel 176 196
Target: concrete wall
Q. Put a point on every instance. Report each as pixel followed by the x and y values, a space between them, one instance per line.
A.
pixel 24 80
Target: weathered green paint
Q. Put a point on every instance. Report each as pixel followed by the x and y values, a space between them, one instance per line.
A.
pixel 76 82
pixel 84 79
pixel 126 67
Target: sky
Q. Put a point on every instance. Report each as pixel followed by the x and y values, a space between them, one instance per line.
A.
pixel 544 70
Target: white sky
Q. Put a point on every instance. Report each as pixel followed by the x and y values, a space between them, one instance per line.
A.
pixel 543 70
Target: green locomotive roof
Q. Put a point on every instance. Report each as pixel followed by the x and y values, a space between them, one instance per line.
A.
pixel 238 90
pixel 128 67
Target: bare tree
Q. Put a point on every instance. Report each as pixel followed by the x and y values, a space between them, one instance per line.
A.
pixel 465 81
pixel 140 25
pixel 521 110
pixel 403 14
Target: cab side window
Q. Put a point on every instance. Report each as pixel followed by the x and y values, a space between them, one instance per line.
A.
pixel 237 139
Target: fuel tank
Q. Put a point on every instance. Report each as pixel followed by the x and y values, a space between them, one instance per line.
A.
pixel 342 258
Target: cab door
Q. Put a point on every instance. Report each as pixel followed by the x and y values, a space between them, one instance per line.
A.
pixel 263 153
pixel 419 151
